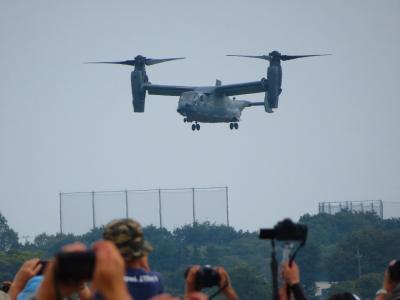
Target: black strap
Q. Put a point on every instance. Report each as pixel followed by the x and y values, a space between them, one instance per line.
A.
pixel 293 256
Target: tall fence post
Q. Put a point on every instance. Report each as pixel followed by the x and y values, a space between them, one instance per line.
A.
pixel 61 226
pixel 159 207
pixel 126 204
pixel 227 207
pixel 194 206
pixel 93 212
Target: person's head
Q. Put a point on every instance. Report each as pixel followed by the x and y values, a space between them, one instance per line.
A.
pixel 5 286
pixel 127 235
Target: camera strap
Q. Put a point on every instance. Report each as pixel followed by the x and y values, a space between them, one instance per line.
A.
pixel 218 291
pixel 293 256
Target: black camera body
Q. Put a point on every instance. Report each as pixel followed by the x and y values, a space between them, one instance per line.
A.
pixel 285 230
pixel 75 266
pixel 205 277
pixel 394 271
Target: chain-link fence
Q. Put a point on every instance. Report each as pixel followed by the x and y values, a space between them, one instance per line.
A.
pixel 168 208
pixel 384 209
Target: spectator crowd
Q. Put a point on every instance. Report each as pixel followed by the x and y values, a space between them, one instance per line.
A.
pixel 118 268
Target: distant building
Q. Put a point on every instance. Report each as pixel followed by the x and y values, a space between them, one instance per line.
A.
pixel 321 287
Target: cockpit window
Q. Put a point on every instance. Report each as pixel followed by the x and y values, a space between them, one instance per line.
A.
pixel 192 96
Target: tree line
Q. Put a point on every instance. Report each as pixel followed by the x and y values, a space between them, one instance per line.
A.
pixel 350 249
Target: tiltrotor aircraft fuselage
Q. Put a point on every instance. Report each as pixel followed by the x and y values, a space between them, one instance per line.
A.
pixel 210 104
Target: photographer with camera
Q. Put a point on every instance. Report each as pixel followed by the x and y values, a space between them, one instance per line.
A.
pixel 391 283
pixel 107 274
pixel 199 277
pixel 288 232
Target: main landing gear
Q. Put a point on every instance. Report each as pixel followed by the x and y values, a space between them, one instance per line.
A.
pixel 233 125
pixel 195 126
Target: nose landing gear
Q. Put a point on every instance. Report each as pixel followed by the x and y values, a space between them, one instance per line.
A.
pixel 233 125
pixel 195 126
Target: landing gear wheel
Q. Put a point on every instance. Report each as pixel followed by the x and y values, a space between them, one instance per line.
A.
pixel 198 126
pixel 236 125
pixel 231 126
pixel 193 127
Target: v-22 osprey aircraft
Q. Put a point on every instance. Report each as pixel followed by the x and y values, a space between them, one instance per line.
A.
pixel 210 104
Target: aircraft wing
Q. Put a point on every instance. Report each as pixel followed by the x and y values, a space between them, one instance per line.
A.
pixel 242 88
pixel 167 90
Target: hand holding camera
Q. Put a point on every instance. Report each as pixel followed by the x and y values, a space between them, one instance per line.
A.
pixel 70 269
pixel 291 273
pixel 199 277
pixel 29 269
pixel 109 272
pixel 287 231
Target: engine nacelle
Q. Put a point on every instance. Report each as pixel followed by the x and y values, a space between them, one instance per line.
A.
pixel 138 78
pixel 274 89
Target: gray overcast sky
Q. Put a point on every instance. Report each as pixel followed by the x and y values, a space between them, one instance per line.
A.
pixel 67 126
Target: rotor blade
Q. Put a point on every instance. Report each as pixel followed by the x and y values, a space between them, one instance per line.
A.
pixel 289 57
pixel 125 62
pixel 153 61
pixel 265 57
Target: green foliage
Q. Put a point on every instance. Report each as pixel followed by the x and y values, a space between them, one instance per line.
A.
pixel 51 244
pixel 364 287
pixel 249 282
pixel 241 253
pixel 12 260
pixel 329 254
pixel 8 237
pixel 337 238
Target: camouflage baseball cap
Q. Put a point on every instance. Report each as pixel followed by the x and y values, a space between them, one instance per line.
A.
pixel 127 235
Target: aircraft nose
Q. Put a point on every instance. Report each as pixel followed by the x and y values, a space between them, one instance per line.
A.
pixel 184 107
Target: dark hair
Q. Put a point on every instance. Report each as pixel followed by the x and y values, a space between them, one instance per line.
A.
pixel 5 286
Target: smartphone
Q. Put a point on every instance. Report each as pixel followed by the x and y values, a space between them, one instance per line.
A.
pixel 75 266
